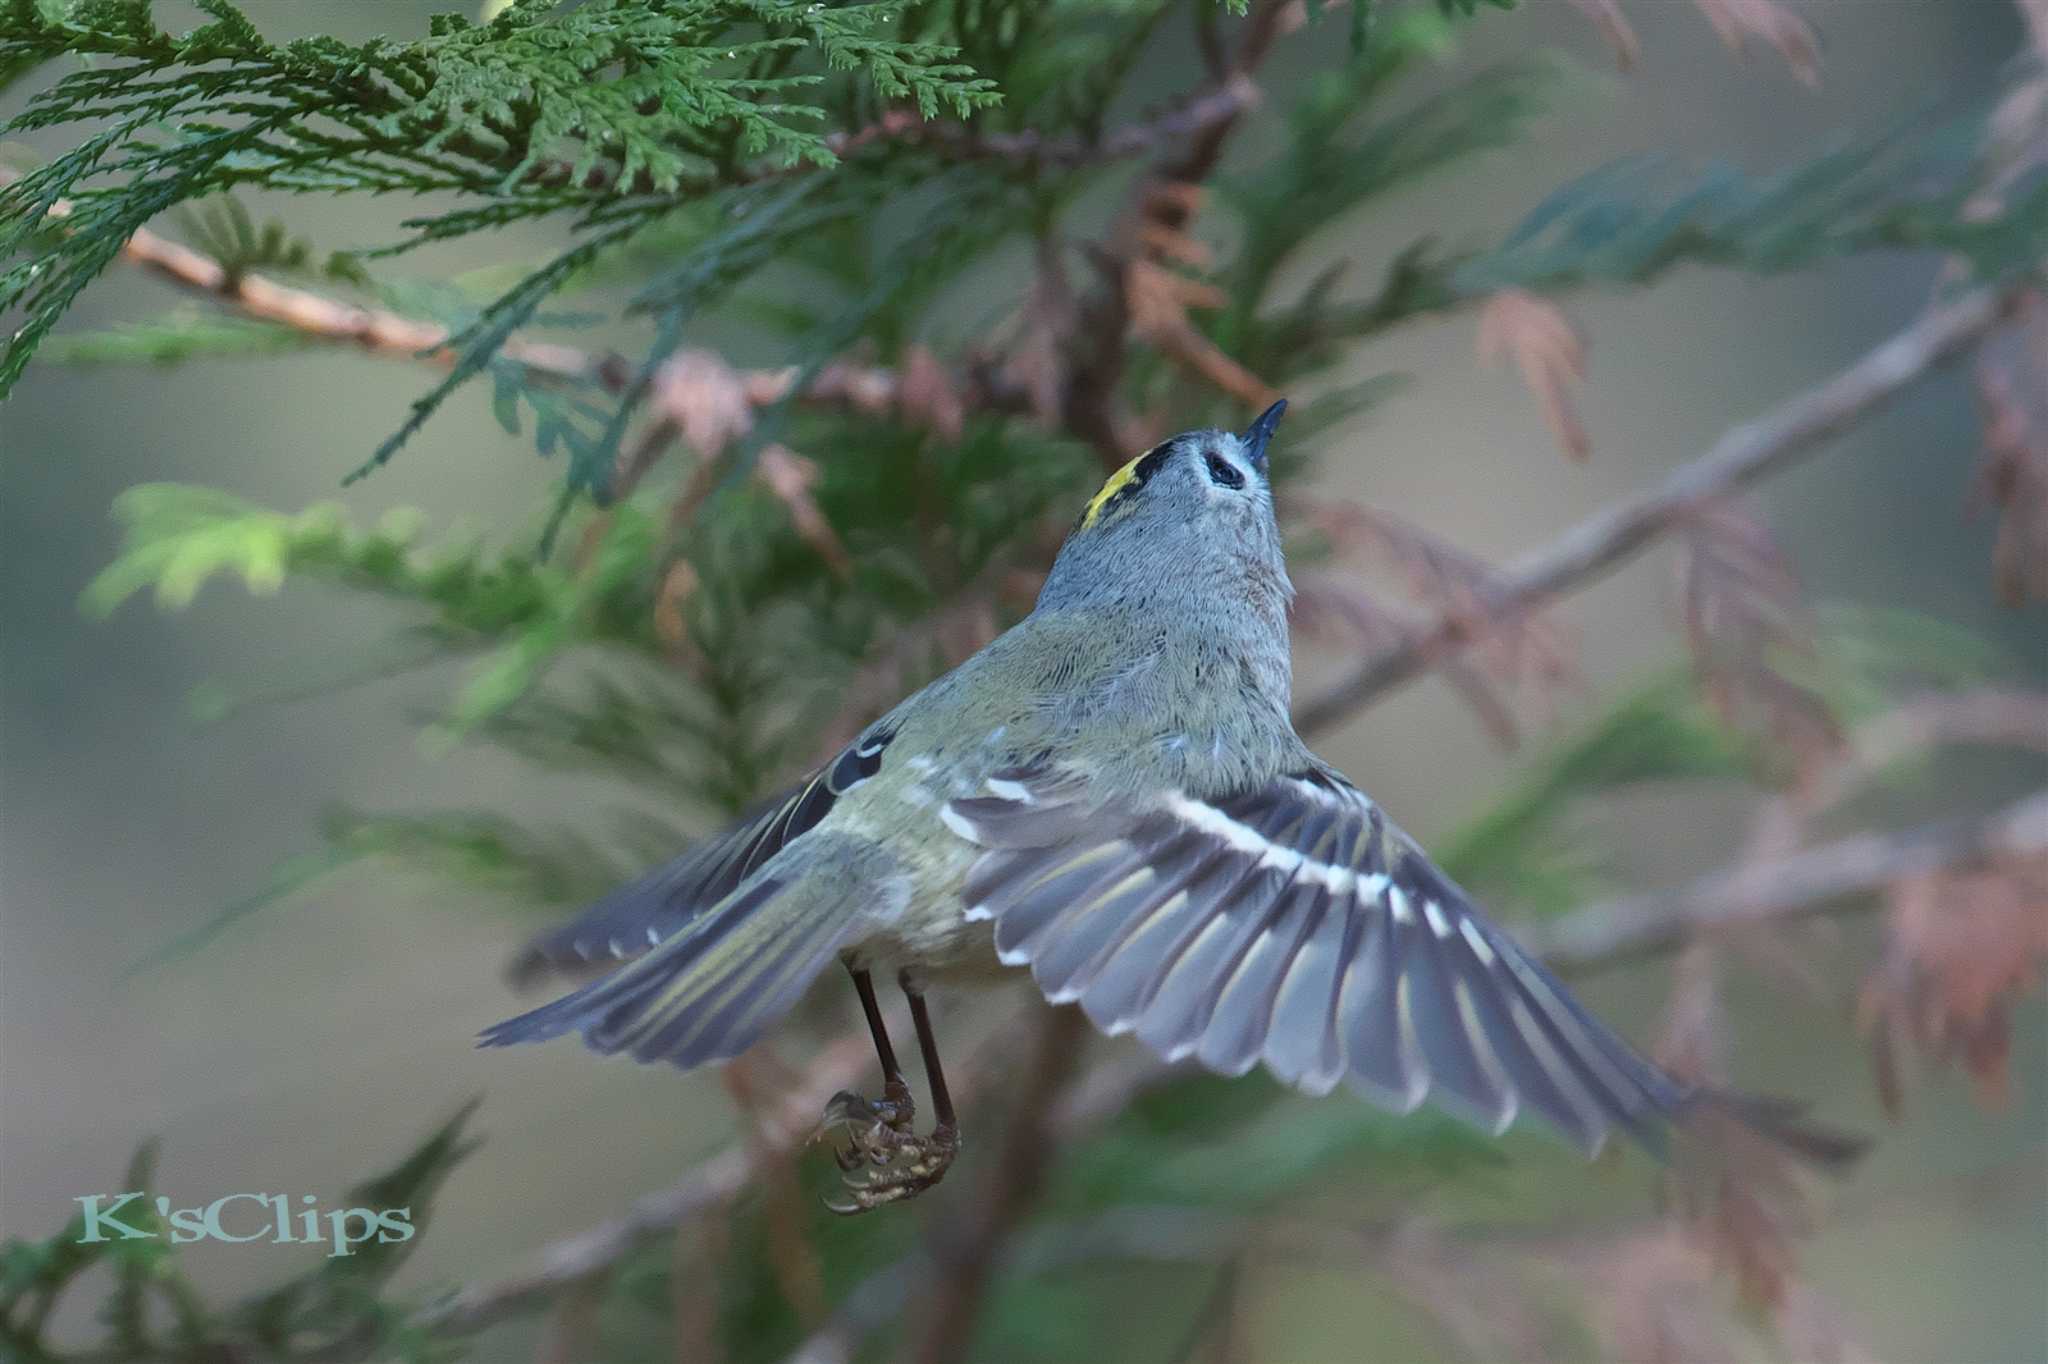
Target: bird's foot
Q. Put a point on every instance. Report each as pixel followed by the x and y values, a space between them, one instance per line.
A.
pixel 909 1165
pixel 874 1127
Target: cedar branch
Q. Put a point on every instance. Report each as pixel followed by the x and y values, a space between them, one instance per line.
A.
pixel 1617 533
pixel 1813 881
pixel 384 332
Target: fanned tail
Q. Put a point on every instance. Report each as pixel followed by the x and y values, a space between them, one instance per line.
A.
pixel 712 990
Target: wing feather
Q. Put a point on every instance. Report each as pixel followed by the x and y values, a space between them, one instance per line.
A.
pixel 1242 1017
pixel 1073 956
pixel 1302 1047
pixel 1186 995
pixel 1379 1054
pixel 1293 925
pixel 1462 1070
pixel 653 909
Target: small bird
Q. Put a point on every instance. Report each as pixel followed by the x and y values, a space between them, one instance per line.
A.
pixel 1111 794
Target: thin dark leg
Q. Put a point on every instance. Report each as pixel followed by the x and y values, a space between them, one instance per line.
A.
pixel 887 1161
pixel 935 1075
pixel 864 986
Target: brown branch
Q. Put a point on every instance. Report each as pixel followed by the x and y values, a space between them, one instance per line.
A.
pixel 964 1254
pixel 379 331
pixel 315 315
pixel 1157 1235
pixel 1814 881
pixel 575 1259
pixel 1161 207
pixel 1614 535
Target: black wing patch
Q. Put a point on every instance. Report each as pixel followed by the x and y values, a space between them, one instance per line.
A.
pixel 647 912
pixel 1294 926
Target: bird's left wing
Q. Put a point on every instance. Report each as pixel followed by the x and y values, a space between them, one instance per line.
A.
pixel 1292 924
pixel 649 911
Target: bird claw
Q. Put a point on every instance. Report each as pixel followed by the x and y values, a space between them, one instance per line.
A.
pixel 895 1111
pixel 913 1165
pixel 876 1129
pixel 884 1160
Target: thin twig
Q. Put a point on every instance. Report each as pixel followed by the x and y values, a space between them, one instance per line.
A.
pixel 1617 533
pixel 316 315
pixel 1809 882
pixel 380 331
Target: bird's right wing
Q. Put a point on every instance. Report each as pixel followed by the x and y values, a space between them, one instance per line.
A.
pixel 1292 925
pixel 649 911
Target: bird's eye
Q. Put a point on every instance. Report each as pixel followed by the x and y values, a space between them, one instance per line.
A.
pixel 1223 473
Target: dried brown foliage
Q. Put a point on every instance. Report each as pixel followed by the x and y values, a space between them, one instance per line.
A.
pixel 1521 649
pixel 927 397
pixel 1739 22
pixel 790 477
pixel 1962 946
pixel 1990 716
pixel 1747 1209
pixel 677 585
pixel 2012 389
pixel 1543 343
pixel 1784 824
pixel 705 399
pixel 1614 26
pixel 1737 1194
pixel 1334 610
pixel 1770 22
pixel 1745 616
pixel 1479 1297
pixel 1653 1302
pixel 1157 299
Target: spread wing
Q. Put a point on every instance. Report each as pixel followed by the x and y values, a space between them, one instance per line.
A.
pixel 647 912
pixel 1293 925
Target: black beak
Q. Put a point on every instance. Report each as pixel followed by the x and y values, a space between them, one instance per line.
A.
pixel 1259 433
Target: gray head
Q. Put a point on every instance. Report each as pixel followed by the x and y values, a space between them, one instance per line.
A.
pixel 1192 515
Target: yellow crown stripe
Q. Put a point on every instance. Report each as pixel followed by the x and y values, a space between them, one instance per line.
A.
pixel 1115 484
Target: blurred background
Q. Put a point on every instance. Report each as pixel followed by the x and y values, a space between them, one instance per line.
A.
pixel 321 1038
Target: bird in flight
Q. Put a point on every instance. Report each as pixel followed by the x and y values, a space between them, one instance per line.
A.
pixel 1111 795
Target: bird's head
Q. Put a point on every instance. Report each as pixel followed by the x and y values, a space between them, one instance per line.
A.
pixel 1192 512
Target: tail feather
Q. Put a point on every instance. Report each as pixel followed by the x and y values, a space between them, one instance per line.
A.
pixel 712 990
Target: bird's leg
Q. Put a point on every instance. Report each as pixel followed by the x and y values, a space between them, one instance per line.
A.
pixel 875 1127
pixel 915 1163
